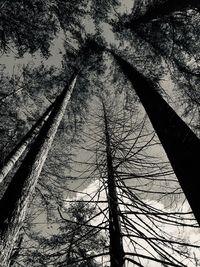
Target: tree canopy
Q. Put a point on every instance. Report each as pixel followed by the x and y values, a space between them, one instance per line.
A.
pixel 118 106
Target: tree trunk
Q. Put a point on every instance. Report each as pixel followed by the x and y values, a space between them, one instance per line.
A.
pixel 16 153
pixel 163 9
pixel 4 98
pixel 16 199
pixel 116 245
pixel 179 142
pixel 16 251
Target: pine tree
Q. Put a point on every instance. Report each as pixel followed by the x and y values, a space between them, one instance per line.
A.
pixel 17 197
pixel 181 147
pixel 15 154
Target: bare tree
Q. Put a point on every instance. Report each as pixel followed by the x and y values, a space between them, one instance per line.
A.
pixel 126 176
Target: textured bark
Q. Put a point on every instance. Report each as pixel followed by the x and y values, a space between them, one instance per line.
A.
pixel 181 145
pixel 16 251
pixel 116 244
pixel 16 153
pixel 14 203
pixel 3 99
pixel 163 9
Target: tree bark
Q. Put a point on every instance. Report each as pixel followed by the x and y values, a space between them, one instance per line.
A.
pixel 16 153
pixel 181 145
pixel 116 245
pixel 16 199
pixel 163 9
pixel 16 251
pixel 4 98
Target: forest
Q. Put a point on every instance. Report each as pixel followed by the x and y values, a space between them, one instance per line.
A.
pixel 100 133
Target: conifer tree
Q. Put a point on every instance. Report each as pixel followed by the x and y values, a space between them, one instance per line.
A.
pixel 181 147
pixel 15 154
pixel 17 196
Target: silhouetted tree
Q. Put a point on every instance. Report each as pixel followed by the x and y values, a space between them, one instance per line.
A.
pixel 182 147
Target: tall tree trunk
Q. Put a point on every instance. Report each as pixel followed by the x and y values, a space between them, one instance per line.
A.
pixel 116 245
pixel 179 142
pixel 164 8
pixel 16 153
pixel 14 203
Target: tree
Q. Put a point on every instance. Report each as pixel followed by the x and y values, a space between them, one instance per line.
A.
pixel 162 8
pixel 30 25
pixel 174 42
pixel 182 148
pixel 75 238
pixel 56 15
pixel 15 200
pixel 116 246
pixel 15 154
pixel 134 172
pixel 131 162
pixel 23 183
pixel 33 25
pixel 38 86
